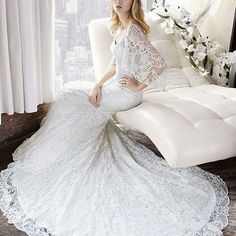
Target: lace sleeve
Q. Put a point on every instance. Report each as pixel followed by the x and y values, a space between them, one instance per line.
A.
pixel 147 65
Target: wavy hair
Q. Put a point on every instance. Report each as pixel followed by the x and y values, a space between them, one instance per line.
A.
pixel 136 13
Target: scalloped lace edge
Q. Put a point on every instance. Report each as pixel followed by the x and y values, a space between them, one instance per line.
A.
pixel 12 210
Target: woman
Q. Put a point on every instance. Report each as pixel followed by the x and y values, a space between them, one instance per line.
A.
pixel 79 174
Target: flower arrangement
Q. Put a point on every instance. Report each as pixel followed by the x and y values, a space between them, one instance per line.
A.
pixel 208 57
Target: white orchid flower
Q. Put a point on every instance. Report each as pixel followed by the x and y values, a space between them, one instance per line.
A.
pixel 170 22
pixel 215 47
pixel 183 44
pixel 200 46
pixel 191 48
pixel 199 55
pixel 230 57
pixel 212 56
pixel 202 39
pixel 203 73
pixel 216 70
pixel 176 14
pixel 190 31
pixel 196 61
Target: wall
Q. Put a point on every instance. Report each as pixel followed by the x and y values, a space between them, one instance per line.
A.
pixel 17 126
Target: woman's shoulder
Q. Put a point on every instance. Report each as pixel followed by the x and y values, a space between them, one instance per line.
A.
pixel 134 30
pixel 134 25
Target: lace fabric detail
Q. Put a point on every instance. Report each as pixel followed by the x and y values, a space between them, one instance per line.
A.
pixel 139 58
pixel 80 174
pixel 12 209
pixel 147 64
pixel 145 164
pixel 218 218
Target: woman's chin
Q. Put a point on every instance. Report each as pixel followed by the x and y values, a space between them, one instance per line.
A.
pixel 117 10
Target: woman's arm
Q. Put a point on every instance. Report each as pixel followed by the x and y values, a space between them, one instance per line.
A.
pixel 94 94
pixel 141 86
pixel 110 71
pixel 142 61
pixel 132 83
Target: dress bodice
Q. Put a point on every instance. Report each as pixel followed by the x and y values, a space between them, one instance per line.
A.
pixel 135 56
pixel 117 49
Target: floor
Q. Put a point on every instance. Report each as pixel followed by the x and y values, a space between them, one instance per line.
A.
pixel 226 169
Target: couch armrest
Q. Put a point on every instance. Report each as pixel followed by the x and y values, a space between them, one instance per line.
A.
pixel 100 40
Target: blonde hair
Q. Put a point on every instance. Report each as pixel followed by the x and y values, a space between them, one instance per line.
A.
pixel 136 13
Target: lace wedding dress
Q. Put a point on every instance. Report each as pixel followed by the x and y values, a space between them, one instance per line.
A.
pixel 81 175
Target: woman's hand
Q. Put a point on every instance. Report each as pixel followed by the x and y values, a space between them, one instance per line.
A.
pixel 131 83
pixel 94 96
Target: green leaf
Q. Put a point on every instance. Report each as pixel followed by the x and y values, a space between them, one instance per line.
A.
pixel 166 17
pixel 192 62
pixel 211 70
pixel 178 25
pixel 205 61
pixel 226 67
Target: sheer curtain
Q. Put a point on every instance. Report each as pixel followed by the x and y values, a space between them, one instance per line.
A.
pixel 72 45
pixel 26 55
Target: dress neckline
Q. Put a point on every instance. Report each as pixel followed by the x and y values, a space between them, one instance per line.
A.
pixel 130 25
pixel 116 43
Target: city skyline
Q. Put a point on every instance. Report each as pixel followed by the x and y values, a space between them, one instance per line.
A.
pixel 72 46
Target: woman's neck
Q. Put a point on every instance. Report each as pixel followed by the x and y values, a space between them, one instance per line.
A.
pixel 125 21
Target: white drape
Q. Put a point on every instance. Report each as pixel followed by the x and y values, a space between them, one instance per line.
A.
pixel 26 55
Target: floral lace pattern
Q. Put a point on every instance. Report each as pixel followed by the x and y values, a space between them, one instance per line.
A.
pixel 81 175
pixel 147 65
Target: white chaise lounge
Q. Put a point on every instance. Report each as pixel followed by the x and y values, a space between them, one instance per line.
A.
pixel 193 121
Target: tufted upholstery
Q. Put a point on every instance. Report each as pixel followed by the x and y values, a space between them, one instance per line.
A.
pixel 193 121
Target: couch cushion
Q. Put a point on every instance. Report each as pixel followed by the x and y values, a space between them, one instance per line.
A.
pixel 189 126
pixel 182 77
pixel 167 49
pixel 193 121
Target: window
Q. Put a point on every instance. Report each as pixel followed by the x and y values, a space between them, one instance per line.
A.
pixel 72 46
